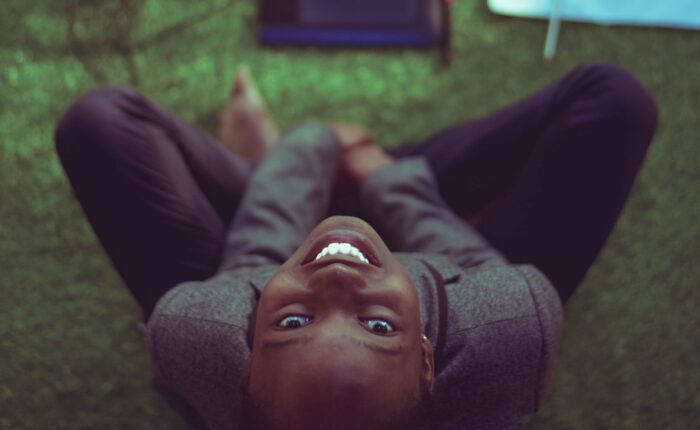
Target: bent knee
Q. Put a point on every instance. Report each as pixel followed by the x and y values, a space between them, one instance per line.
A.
pixel 622 96
pixel 92 114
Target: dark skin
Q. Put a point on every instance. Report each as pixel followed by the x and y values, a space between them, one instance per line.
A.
pixel 346 311
pixel 339 302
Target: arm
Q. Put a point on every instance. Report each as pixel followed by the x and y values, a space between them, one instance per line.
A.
pixel 403 201
pixel 506 319
pixel 199 333
pixel 550 317
pixel 287 196
pixel 199 341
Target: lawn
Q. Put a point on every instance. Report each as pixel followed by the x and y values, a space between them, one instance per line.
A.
pixel 70 353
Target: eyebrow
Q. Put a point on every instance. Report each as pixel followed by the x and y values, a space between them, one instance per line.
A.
pixel 276 344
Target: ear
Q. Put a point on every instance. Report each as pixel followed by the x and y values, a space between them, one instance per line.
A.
pixel 428 365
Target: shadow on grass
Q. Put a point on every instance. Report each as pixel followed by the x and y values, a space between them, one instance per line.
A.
pixel 94 29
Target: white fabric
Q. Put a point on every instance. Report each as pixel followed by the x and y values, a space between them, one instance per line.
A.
pixel 660 13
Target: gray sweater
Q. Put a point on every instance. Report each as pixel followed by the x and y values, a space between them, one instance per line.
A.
pixel 495 326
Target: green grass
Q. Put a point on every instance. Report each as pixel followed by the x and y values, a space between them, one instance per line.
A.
pixel 70 355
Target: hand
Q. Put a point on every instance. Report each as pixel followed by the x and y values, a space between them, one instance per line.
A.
pixel 351 135
pixel 361 161
pixel 361 156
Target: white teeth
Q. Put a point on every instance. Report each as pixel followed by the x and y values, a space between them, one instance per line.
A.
pixel 342 248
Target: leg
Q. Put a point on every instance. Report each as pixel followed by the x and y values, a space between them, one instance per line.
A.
pixel 554 170
pixel 158 193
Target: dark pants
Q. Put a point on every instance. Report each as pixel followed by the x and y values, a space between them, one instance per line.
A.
pixel 544 180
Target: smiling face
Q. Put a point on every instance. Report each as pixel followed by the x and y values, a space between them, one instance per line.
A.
pixel 338 336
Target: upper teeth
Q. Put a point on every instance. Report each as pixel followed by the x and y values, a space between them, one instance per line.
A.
pixel 342 248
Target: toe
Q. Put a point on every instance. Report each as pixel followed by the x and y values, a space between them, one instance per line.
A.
pixel 238 86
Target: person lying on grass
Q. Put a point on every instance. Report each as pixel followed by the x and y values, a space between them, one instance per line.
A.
pixel 313 280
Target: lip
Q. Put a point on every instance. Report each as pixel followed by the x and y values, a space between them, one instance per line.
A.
pixel 355 239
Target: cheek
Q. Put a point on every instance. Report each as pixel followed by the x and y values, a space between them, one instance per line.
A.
pixel 263 377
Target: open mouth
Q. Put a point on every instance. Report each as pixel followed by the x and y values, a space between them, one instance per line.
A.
pixel 347 246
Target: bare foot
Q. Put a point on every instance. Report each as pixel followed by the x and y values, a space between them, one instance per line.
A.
pixel 245 125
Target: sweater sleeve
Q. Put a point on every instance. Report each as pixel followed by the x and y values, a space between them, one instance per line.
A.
pixel 286 198
pixel 550 319
pixel 199 337
pixel 404 203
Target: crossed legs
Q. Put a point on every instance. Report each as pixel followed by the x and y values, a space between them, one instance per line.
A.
pixel 544 179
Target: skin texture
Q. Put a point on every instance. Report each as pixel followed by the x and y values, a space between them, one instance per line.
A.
pixel 361 155
pixel 331 381
pixel 246 127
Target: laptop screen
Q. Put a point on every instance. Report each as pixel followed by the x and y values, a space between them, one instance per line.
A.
pixel 358 11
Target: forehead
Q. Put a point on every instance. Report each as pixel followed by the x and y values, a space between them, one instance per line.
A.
pixel 318 359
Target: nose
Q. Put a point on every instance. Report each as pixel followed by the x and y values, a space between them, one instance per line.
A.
pixel 337 282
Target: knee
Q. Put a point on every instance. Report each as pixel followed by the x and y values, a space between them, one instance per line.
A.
pixel 91 116
pixel 621 97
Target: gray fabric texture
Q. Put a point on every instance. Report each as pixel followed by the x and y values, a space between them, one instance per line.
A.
pixel 503 321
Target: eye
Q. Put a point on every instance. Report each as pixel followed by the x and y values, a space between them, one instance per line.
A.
pixel 294 321
pixel 375 325
pixel 383 327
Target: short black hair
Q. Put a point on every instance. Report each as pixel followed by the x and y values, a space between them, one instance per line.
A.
pixel 254 415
